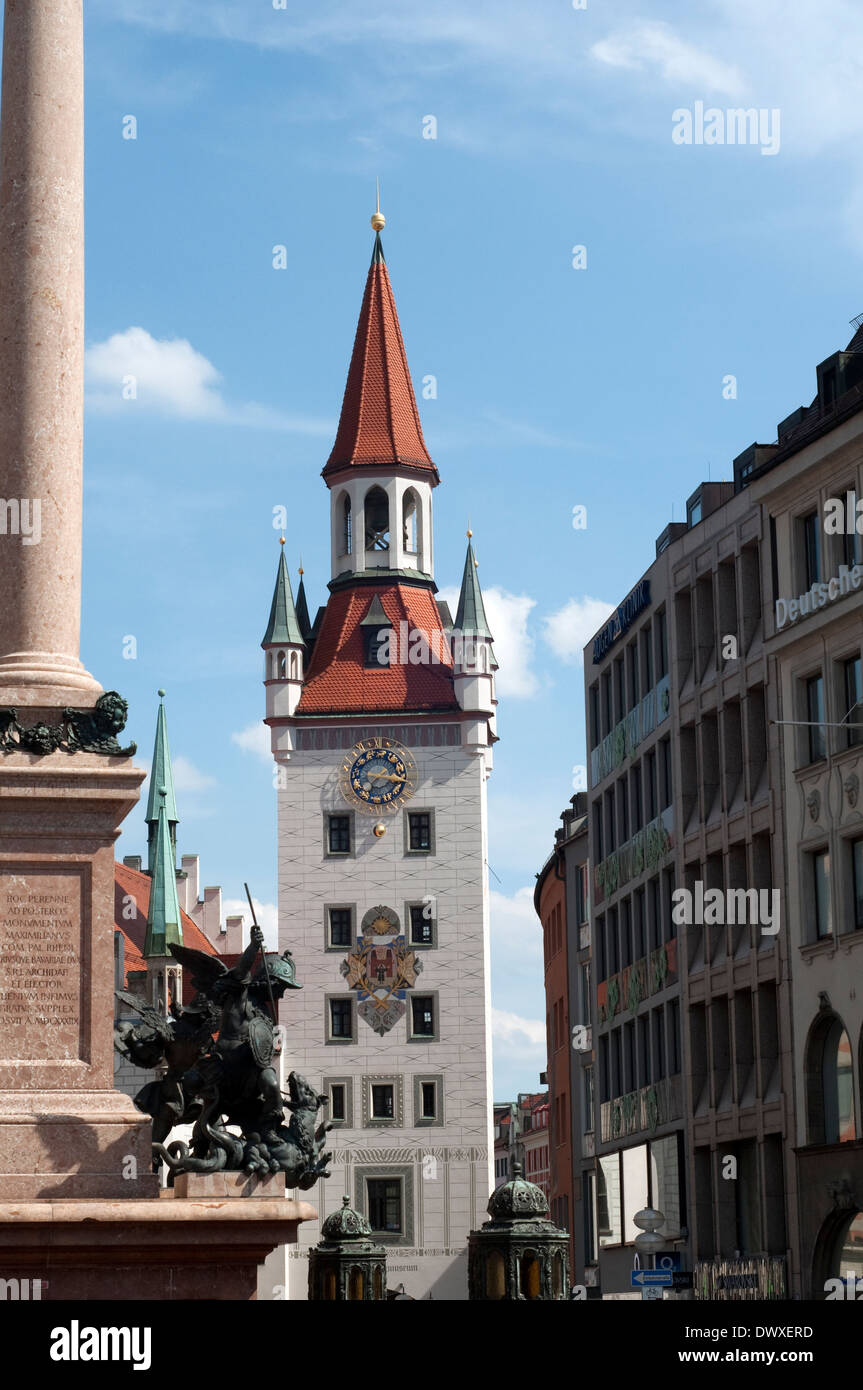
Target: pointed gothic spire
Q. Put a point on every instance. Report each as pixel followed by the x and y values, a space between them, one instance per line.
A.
pixel 283 626
pixel 379 424
pixel 161 775
pixel 470 617
pixel 303 620
pixel 163 913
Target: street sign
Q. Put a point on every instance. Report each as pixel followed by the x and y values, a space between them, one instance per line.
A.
pixel 667 1259
pixel 651 1278
pixel 651 1293
pixel 682 1279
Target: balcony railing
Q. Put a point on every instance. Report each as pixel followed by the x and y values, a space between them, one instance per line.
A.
pixel 642 1111
pixel 633 728
pixel 646 849
pixel 630 987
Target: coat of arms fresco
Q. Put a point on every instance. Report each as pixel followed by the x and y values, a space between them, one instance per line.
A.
pixel 381 970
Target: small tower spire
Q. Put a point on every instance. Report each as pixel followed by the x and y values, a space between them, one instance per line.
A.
pixel 163 913
pixel 284 645
pixel 470 617
pixel 283 626
pixel 303 607
pixel 161 775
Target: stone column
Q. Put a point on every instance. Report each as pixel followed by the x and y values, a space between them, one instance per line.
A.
pixel 42 355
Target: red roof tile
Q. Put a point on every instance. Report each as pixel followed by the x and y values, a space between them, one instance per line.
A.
pixel 379 423
pixel 338 682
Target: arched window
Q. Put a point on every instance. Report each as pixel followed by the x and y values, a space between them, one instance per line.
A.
pixel 355 1285
pixel 848 1251
pixel 410 522
pixel 829 1074
pixel 495 1275
pixel 347 526
pixel 378 1283
pixel 283 666
pixel 838 1086
pixel 529 1272
pixel 327 1285
pixel 557 1275
pixel 377 509
pixel 294 666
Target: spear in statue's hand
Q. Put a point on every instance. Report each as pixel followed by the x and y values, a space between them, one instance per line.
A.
pixel 263 954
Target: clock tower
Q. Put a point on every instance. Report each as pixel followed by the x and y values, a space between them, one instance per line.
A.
pixel 382 717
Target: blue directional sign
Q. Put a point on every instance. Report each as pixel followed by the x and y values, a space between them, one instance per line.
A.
pixel 649 1278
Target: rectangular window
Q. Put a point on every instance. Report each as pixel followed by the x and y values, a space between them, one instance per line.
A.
pixel 383 1102
pixel 588 1100
pixel 385 1205
pixel 422 1016
pixel 422 925
pixel 637 813
pixel 857 883
pixel 823 909
pixel 652 804
pixel 665 774
pixel 811 529
pixel 340 926
pixel 428 1100
pixel 854 700
pixel 337 1102
pixel 341 1018
pixel 815 717
pixel 661 645
pixel 339 834
pixel 646 637
pixel 584 1001
pixel 658 1045
pixel 419 832
pixel 594 715
pixel 581 894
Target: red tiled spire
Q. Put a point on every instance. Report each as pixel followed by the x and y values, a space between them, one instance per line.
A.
pixel 379 423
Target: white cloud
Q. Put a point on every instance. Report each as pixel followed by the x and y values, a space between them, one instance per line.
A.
pixel 133 370
pixel 514 647
pixel 511 1030
pixel 266 913
pixel 657 46
pixel 187 778
pixel 255 739
pixel 569 629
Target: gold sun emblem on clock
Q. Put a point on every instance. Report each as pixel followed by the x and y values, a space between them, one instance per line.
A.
pixel 378 775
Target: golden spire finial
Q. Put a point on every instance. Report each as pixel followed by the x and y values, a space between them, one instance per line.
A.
pixel 301 571
pixel 378 219
pixel 281 540
pixel 469 531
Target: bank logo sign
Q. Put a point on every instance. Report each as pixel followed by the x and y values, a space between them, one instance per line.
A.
pixel 622 619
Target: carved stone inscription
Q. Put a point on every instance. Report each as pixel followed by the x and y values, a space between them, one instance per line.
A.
pixel 40 965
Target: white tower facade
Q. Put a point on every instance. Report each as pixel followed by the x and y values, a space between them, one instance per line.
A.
pixel 382 764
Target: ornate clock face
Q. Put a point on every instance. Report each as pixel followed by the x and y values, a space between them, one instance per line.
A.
pixel 378 775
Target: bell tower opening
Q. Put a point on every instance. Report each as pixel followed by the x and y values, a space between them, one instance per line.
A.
pixel 377 518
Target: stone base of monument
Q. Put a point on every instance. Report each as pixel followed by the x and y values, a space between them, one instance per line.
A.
pixel 81 1215
pixel 205 1241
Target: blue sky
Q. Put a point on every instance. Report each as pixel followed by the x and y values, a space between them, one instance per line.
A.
pixel 557 387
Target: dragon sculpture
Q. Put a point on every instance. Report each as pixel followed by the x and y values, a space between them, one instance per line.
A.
pixel 216 1062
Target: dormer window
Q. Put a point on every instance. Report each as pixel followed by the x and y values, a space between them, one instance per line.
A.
pixel 377 636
